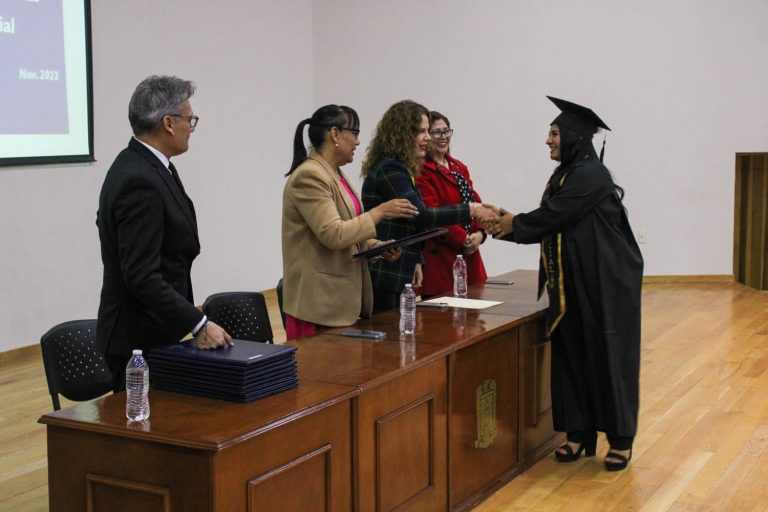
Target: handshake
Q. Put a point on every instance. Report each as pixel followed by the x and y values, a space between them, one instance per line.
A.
pixel 497 221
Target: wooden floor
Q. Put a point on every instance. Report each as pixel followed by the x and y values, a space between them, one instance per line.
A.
pixel 702 444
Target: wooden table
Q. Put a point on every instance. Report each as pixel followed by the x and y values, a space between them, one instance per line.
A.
pixel 436 420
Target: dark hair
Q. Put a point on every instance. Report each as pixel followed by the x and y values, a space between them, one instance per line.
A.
pixel 395 135
pixel 575 147
pixel 154 98
pixel 435 116
pixel 322 120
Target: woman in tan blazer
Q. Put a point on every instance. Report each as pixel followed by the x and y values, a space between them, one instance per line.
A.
pixel 324 225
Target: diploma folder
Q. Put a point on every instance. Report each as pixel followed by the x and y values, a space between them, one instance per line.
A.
pixel 401 242
pixel 240 373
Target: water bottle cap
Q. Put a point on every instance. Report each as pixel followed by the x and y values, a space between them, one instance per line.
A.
pixel 137 351
pixel 408 285
pixel 459 257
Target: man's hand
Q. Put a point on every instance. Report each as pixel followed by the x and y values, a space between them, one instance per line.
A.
pixel 212 336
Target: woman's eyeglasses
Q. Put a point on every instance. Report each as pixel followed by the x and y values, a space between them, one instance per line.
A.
pixel 439 134
pixel 355 133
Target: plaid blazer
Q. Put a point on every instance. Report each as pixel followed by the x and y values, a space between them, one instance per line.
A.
pixel 389 179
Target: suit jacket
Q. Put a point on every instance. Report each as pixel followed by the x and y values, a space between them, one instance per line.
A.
pixel 389 179
pixel 438 187
pixel 322 284
pixel 148 234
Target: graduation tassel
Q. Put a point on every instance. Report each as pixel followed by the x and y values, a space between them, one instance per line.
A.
pixel 602 150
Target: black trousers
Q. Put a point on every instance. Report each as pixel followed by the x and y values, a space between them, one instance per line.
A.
pixel 117 366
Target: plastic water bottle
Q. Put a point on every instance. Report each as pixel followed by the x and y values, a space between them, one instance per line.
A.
pixel 137 388
pixel 408 310
pixel 460 277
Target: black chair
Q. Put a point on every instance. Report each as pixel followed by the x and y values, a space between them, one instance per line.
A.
pixel 74 367
pixel 243 315
pixel 279 290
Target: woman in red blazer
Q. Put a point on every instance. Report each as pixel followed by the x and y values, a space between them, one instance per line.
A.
pixel 444 180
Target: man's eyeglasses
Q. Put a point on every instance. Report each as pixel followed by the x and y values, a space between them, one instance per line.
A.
pixel 439 134
pixel 355 133
pixel 192 119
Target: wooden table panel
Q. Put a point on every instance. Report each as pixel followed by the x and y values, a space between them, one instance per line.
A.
pixel 203 454
pixel 401 432
pixel 483 387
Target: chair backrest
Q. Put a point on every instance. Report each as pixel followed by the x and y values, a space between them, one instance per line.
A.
pixel 73 365
pixel 243 315
pixel 279 290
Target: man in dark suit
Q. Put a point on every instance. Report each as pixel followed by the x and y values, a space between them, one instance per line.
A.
pixel 148 233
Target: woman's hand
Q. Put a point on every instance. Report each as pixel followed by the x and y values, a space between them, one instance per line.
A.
pixel 472 242
pixel 483 212
pixel 394 209
pixel 418 276
pixel 392 254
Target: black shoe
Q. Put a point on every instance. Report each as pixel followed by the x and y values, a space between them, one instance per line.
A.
pixel 622 461
pixel 588 448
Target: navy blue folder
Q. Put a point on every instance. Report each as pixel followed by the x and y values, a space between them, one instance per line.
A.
pixel 241 373
pixel 242 354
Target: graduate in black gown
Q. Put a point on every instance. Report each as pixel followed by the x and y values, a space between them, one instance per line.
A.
pixel 592 270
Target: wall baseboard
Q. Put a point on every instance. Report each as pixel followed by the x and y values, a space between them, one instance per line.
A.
pixel 16 354
pixel 689 279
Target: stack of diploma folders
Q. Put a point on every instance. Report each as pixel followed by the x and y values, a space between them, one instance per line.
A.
pixel 241 373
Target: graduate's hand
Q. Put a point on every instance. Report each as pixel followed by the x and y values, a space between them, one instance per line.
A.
pixel 503 226
pixel 212 336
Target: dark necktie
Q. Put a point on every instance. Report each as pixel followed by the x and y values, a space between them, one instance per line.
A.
pixel 176 178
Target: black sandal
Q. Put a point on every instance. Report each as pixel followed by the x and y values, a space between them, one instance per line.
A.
pixel 589 448
pixel 622 461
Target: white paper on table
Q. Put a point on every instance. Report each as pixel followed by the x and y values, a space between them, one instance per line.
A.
pixel 456 302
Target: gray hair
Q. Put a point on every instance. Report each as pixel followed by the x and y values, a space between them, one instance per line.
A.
pixel 155 97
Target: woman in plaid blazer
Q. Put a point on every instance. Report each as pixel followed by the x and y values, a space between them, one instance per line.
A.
pixel 393 161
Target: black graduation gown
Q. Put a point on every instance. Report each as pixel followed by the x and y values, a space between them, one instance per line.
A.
pixel 592 269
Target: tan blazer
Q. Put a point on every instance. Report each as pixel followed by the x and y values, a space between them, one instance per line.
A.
pixel 322 284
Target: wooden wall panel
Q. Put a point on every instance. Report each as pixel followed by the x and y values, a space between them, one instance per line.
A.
pixel 750 231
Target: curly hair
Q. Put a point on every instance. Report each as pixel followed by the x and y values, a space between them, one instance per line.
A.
pixel 395 135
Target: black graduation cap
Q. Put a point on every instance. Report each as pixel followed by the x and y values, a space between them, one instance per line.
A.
pixel 581 120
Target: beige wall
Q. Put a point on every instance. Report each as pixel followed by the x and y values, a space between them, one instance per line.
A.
pixel 681 82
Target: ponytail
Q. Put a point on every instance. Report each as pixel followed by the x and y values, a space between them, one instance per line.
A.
pixel 299 151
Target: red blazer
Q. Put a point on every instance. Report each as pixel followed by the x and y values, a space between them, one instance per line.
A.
pixel 439 188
